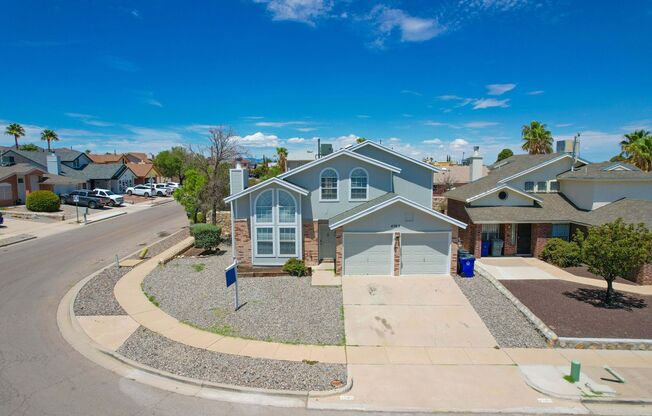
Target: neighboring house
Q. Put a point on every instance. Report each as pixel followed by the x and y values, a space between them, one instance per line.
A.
pixel 454 176
pixel 527 199
pixel 110 158
pixel 137 157
pixel 144 173
pixel 367 208
pixel 114 176
pixel 300 158
pixel 17 181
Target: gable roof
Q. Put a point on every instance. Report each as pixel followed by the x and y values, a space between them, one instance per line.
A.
pixel 540 165
pixel 95 171
pixel 139 155
pixel 342 152
pixel 606 170
pixel 395 153
pixel 110 158
pixel 270 181
pixel 500 188
pixel 382 202
pixel 18 169
pixel 141 169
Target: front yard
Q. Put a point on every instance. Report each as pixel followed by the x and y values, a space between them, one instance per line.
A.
pixel 279 309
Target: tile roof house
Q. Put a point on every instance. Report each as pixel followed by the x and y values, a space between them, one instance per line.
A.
pixel 365 208
pixel 527 199
pixel 109 158
pixel 144 173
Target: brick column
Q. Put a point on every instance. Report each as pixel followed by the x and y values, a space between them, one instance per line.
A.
pixel 642 276
pixel 541 233
pixel 397 254
pixel 509 249
pixel 475 232
pixel 339 251
pixel 454 245
pixel 311 243
pixel 242 242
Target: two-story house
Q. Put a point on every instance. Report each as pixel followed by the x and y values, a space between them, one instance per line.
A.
pixel 365 207
pixel 527 199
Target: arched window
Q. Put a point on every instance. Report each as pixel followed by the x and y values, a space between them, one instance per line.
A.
pixel 359 184
pixel 264 205
pixel 287 208
pixel 329 185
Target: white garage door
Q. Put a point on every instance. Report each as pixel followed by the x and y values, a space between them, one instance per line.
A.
pixel 425 253
pixel 368 254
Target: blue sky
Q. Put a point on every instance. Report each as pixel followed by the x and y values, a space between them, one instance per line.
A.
pixel 428 78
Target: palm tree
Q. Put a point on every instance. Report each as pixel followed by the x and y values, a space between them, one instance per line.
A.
pixel 16 130
pixel 282 153
pixel 537 139
pixel 630 139
pixel 49 136
pixel 641 153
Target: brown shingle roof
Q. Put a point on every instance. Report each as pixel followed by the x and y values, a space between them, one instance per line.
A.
pixel 597 171
pixel 141 169
pixel 105 158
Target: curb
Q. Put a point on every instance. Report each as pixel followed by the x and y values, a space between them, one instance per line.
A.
pixel 549 334
pixel 117 214
pixel 26 238
pixel 125 367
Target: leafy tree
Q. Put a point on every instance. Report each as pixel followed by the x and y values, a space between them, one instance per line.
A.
pixel 536 138
pixel 261 169
pixel 282 153
pixel 172 163
pixel 272 172
pixel 360 140
pixel 615 250
pixel 189 194
pixel 29 147
pixel 49 136
pixel 630 139
pixel 504 154
pixel 637 149
pixel 16 130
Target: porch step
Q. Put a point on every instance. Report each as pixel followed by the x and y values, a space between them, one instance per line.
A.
pixel 325 265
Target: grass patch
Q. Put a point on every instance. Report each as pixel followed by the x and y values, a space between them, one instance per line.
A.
pixel 569 379
pixel 309 362
pixel 224 330
pixel 149 297
pixel 198 267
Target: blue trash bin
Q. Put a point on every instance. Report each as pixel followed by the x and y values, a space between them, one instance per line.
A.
pixel 466 266
pixel 485 248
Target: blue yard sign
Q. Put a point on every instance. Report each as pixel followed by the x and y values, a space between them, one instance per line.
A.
pixel 231 274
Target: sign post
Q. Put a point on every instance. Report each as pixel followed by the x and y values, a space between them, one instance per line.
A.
pixel 231 275
pixel 75 199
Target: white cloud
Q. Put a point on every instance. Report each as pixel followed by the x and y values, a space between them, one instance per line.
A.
pixel 458 144
pixel 306 11
pixel 153 102
pixel 89 119
pixel 296 140
pixel 479 124
pixel 563 125
pixel 306 129
pixel 258 139
pixel 638 125
pixel 394 140
pixel 363 116
pixel 253 117
pixel 411 92
pixel 536 92
pixel 450 97
pixel 432 141
pixel 279 123
pixel 435 123
pixel 499 89
pixel 597 145
pixel 489 103
pixel 411 28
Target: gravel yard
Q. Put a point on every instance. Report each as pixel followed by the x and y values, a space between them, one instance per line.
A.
pixel 156 351
pixel 505 322
pixel 281 309
pixel 96 297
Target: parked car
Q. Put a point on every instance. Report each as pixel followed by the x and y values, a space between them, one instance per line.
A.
pixel 172 185
pixel 85 198
pixel 115 199
pixel 141 190
pixel 162 189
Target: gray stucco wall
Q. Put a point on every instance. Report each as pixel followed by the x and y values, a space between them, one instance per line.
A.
pixel 400 218
pixel 546 173
pixel 312 208
pixel 594 194
pixel 414 182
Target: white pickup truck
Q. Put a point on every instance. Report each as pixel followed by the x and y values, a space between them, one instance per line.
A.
pixel 115 199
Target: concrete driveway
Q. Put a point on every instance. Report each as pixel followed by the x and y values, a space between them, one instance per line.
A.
pixel 414 311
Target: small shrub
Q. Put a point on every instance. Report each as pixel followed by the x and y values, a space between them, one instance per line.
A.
pixel 562 253
pixel 207 236
pixel 43 201
pixel 295 267
pixel 200 217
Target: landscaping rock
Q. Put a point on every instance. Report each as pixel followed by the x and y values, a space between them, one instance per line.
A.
pixel 96 297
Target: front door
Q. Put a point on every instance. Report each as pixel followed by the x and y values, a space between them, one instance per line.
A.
pixel 21 188
pixel 524 239
pixel 326 243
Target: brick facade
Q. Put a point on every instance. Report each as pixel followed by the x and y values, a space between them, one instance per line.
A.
pixel 509 247
pixel 242 242
pixel 339 251
pixel 541 233
pixel 643 276
pixel 311 243
pixel 397 254
pixel 14 191
pixel 454 244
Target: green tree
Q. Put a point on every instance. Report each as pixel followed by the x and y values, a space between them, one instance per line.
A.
pixel 189 195
pixel 16 130
pixel 172 163
pixel 282 153
pixel 630 139
pixel 504 154
pixel 272 172
pixel 536 138
pixel 29 147
pixel 360 140
pixel 49 136
pixel 637 149
pixel 616 250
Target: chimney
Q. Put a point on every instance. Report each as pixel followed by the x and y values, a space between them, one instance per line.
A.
pixel 53 163
pixel 476 164
pixel 238 179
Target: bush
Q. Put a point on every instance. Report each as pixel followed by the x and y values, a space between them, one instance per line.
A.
pixel 43 201
pixel 562 253
pixel 295 267
pixel 207 236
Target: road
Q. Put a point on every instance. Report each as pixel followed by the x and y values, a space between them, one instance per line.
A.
pixel 40 374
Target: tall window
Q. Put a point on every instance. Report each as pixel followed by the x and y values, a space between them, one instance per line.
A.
pixel 275 224
pixel 490 231
pixel 264 205
pixel 359 184
pixel 529 186
pixel 329 185
pixel 287 209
